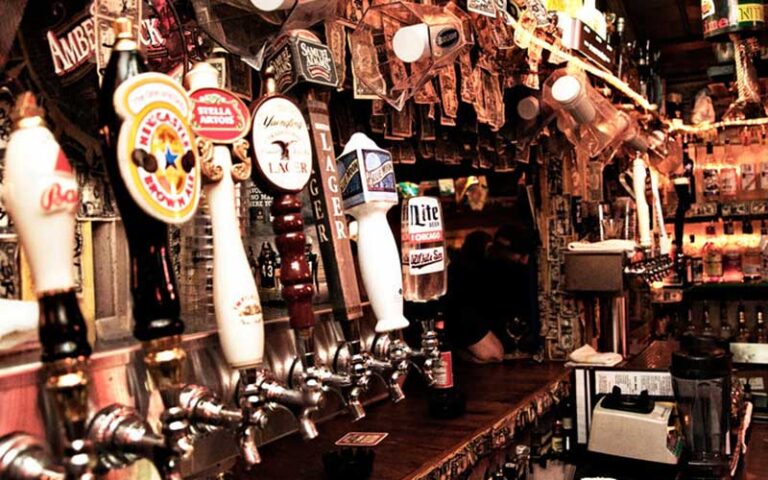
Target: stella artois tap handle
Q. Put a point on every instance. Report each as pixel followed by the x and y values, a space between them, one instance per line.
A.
pixel 41 195
pixel 221 120
pixel 367 180
pixel 283 153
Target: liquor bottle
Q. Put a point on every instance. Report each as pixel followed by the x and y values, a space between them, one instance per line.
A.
pixel 761 335
pixel 731 255
pixel 423 249
pixel 617 42
pixel 729 175
pixel 690 327
pixel 763 247
pixel 312 260
pixel 726 331
pixel 445 399
pixel 713 257
pixel 569 433
pixel 692 252
pixel 558 439
pixel 710 177
pixel 706 322
pixel 741 316
pixel 153 286
pixel 750 256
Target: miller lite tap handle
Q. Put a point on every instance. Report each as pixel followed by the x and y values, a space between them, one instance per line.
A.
pixel 367 182
pixel 283 151
pixel 221 119
pixel 41 195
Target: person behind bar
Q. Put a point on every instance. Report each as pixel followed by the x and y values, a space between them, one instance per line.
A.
pixel 488 303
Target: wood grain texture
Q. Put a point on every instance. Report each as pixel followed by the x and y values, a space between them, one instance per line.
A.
pixel 416 442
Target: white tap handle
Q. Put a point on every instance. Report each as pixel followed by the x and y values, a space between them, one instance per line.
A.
pixel 665 245
pixel 643 212
pixel 380 266
pixel 235 297
pixel 41 195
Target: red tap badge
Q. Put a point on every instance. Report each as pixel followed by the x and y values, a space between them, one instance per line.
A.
pixel 155 148
pixel 219 115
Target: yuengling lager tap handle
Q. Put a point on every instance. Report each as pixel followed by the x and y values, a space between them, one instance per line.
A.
pixel 367 181
pixel 221 121
pixel 283 152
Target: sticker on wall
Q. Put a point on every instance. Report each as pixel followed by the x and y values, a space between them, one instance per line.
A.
pixel 156 153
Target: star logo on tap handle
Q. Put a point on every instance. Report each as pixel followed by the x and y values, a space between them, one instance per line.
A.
pixel 170 157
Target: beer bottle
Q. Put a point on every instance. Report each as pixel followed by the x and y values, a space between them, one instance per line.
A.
pixel 445 399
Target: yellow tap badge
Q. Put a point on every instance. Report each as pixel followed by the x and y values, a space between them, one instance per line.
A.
pixel 156 147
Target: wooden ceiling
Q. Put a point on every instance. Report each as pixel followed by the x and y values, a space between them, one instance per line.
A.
pixel 674 27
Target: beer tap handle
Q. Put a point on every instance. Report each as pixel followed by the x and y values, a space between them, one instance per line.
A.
pixel 294 269
pixel 235 297
pixel 366 178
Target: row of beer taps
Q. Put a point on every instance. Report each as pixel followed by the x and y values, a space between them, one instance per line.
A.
pixel 118 435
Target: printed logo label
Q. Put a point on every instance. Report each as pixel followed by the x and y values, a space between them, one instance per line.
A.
pixel 219 115
pixel 72 48
pixel 424 220
pixel 249 310
pixel 444 371
pixel 380 173
pixel 317 62
pixel 281 144
pixel 61 195
pixel 155 149
pixel 422 261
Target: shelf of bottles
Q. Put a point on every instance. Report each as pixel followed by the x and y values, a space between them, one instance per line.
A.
pixel 731 178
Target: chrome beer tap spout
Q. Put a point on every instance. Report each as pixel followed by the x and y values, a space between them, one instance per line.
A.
pixel 352 370
pixel 24 457
pixel 390 360
pixel 120 436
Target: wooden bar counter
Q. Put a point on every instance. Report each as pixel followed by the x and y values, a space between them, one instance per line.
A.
pixel 417 445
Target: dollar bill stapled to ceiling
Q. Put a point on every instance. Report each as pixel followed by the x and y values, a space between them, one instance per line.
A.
pixel 246 27
pixel 397 47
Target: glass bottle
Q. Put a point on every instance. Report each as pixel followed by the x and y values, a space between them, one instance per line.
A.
pixel 726 331
pixel 710 178
pixel 690 328
pixel 729 175
pixel 706 322
pixel 695 261
pixel 741 316
pixel 751 261
pixel 731 255
pixel 445 399
pixel 558 439
pixel 713 257
pixel 761 336
pixel 763 247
